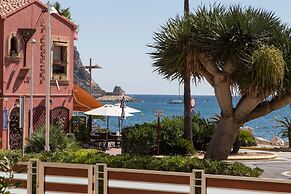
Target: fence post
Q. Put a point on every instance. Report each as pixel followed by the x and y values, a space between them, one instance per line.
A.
pixel 91 180
pixel 33 177
pixel 29 178
pixel 197 182
pixel 100 176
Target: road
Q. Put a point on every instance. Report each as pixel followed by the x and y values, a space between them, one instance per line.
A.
pixel 274 168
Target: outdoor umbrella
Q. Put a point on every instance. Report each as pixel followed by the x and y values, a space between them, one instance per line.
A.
pixel 107 110
pixel 127 108
pixel 122 117
pixel 124 111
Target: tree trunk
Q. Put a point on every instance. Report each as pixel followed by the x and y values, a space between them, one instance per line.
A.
pixel 187 110
pixel 289 136
pixel 223 139
pixel 236 146
pixel 186 6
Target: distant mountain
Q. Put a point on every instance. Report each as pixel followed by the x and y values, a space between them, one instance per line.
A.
pixel 82 76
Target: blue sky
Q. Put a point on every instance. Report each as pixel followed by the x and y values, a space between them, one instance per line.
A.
pixel 114 33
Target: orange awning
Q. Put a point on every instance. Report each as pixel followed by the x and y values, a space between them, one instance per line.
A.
pixel 83 101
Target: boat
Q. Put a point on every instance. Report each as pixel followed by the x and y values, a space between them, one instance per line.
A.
pixel 176 101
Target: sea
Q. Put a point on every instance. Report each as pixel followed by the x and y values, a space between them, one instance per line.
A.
pixel 206 106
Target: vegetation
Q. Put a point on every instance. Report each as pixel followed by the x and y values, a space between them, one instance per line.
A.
pixel 186 79
pixel 202 132
pixel 246 138
pixel 7 163
pixel 285 125
pixel 222 45
pixel 62 11
pixel 170 163
pixel 141 139
pixel 59 140
pixel 80 129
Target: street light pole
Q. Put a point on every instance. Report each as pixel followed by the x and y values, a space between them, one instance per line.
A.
pixel 48 78
pixel 33 42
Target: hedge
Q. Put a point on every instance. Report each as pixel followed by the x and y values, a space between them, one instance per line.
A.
pixel 142 138
pixel 167 163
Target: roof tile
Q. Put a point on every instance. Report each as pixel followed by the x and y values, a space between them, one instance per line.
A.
pixel 8 6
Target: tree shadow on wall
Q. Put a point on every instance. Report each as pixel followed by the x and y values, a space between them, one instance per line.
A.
pixel 20 79
pixel 8 62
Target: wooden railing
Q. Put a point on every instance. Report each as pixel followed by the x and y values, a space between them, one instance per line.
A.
pixel 60 178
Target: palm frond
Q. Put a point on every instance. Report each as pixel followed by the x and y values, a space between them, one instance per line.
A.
pixel 172 45
pixel 285 125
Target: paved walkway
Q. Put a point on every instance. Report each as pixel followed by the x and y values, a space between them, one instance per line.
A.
pixel 113 151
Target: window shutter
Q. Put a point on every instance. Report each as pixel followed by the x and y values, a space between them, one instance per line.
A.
pixel 64 54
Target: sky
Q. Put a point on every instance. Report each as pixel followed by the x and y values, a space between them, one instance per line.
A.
pixel 115 34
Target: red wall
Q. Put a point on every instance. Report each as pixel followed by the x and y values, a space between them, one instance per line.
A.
pixel 16 80
pixel 1 75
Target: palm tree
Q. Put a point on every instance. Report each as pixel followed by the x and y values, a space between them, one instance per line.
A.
pixel 62 11
pixel 285 125
pixel 236 50
pixel 186 6
pixel 187 93
pixel 174 60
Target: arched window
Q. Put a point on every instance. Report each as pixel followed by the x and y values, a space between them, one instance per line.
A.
pixel 13 46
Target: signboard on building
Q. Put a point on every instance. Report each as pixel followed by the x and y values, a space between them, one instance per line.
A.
pixel 5 119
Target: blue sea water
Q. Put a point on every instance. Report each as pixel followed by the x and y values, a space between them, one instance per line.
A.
pixel 207 106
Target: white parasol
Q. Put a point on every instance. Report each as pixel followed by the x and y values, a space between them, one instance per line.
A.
pixel 107 110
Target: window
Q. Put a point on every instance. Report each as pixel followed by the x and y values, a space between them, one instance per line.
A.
pixel 13 46
pixel 60 61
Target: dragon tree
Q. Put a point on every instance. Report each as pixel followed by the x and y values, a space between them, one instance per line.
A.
pixel 239 51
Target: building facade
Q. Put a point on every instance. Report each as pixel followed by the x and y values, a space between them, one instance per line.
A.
pixel 22 21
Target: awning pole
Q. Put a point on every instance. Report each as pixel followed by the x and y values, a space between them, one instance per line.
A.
pixel 107 122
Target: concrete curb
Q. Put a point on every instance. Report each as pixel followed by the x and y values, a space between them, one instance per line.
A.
pixel 268 156
pixel 265 156
pixel 273 149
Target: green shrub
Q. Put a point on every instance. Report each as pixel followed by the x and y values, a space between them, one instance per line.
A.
pixel 139 139
pixel 7 164
pixel 202 132
pixel 167 163
pixel 11 153
pixel 172 141
pixel 59 140
pixel 246 138
pixel 80 129
pixel 142 139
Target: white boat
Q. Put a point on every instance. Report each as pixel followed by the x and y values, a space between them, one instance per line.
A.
pixel 176 101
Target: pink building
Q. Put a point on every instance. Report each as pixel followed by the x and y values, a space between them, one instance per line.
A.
pixel 21 21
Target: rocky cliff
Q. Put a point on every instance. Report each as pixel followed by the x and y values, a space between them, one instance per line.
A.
pixel 82 76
